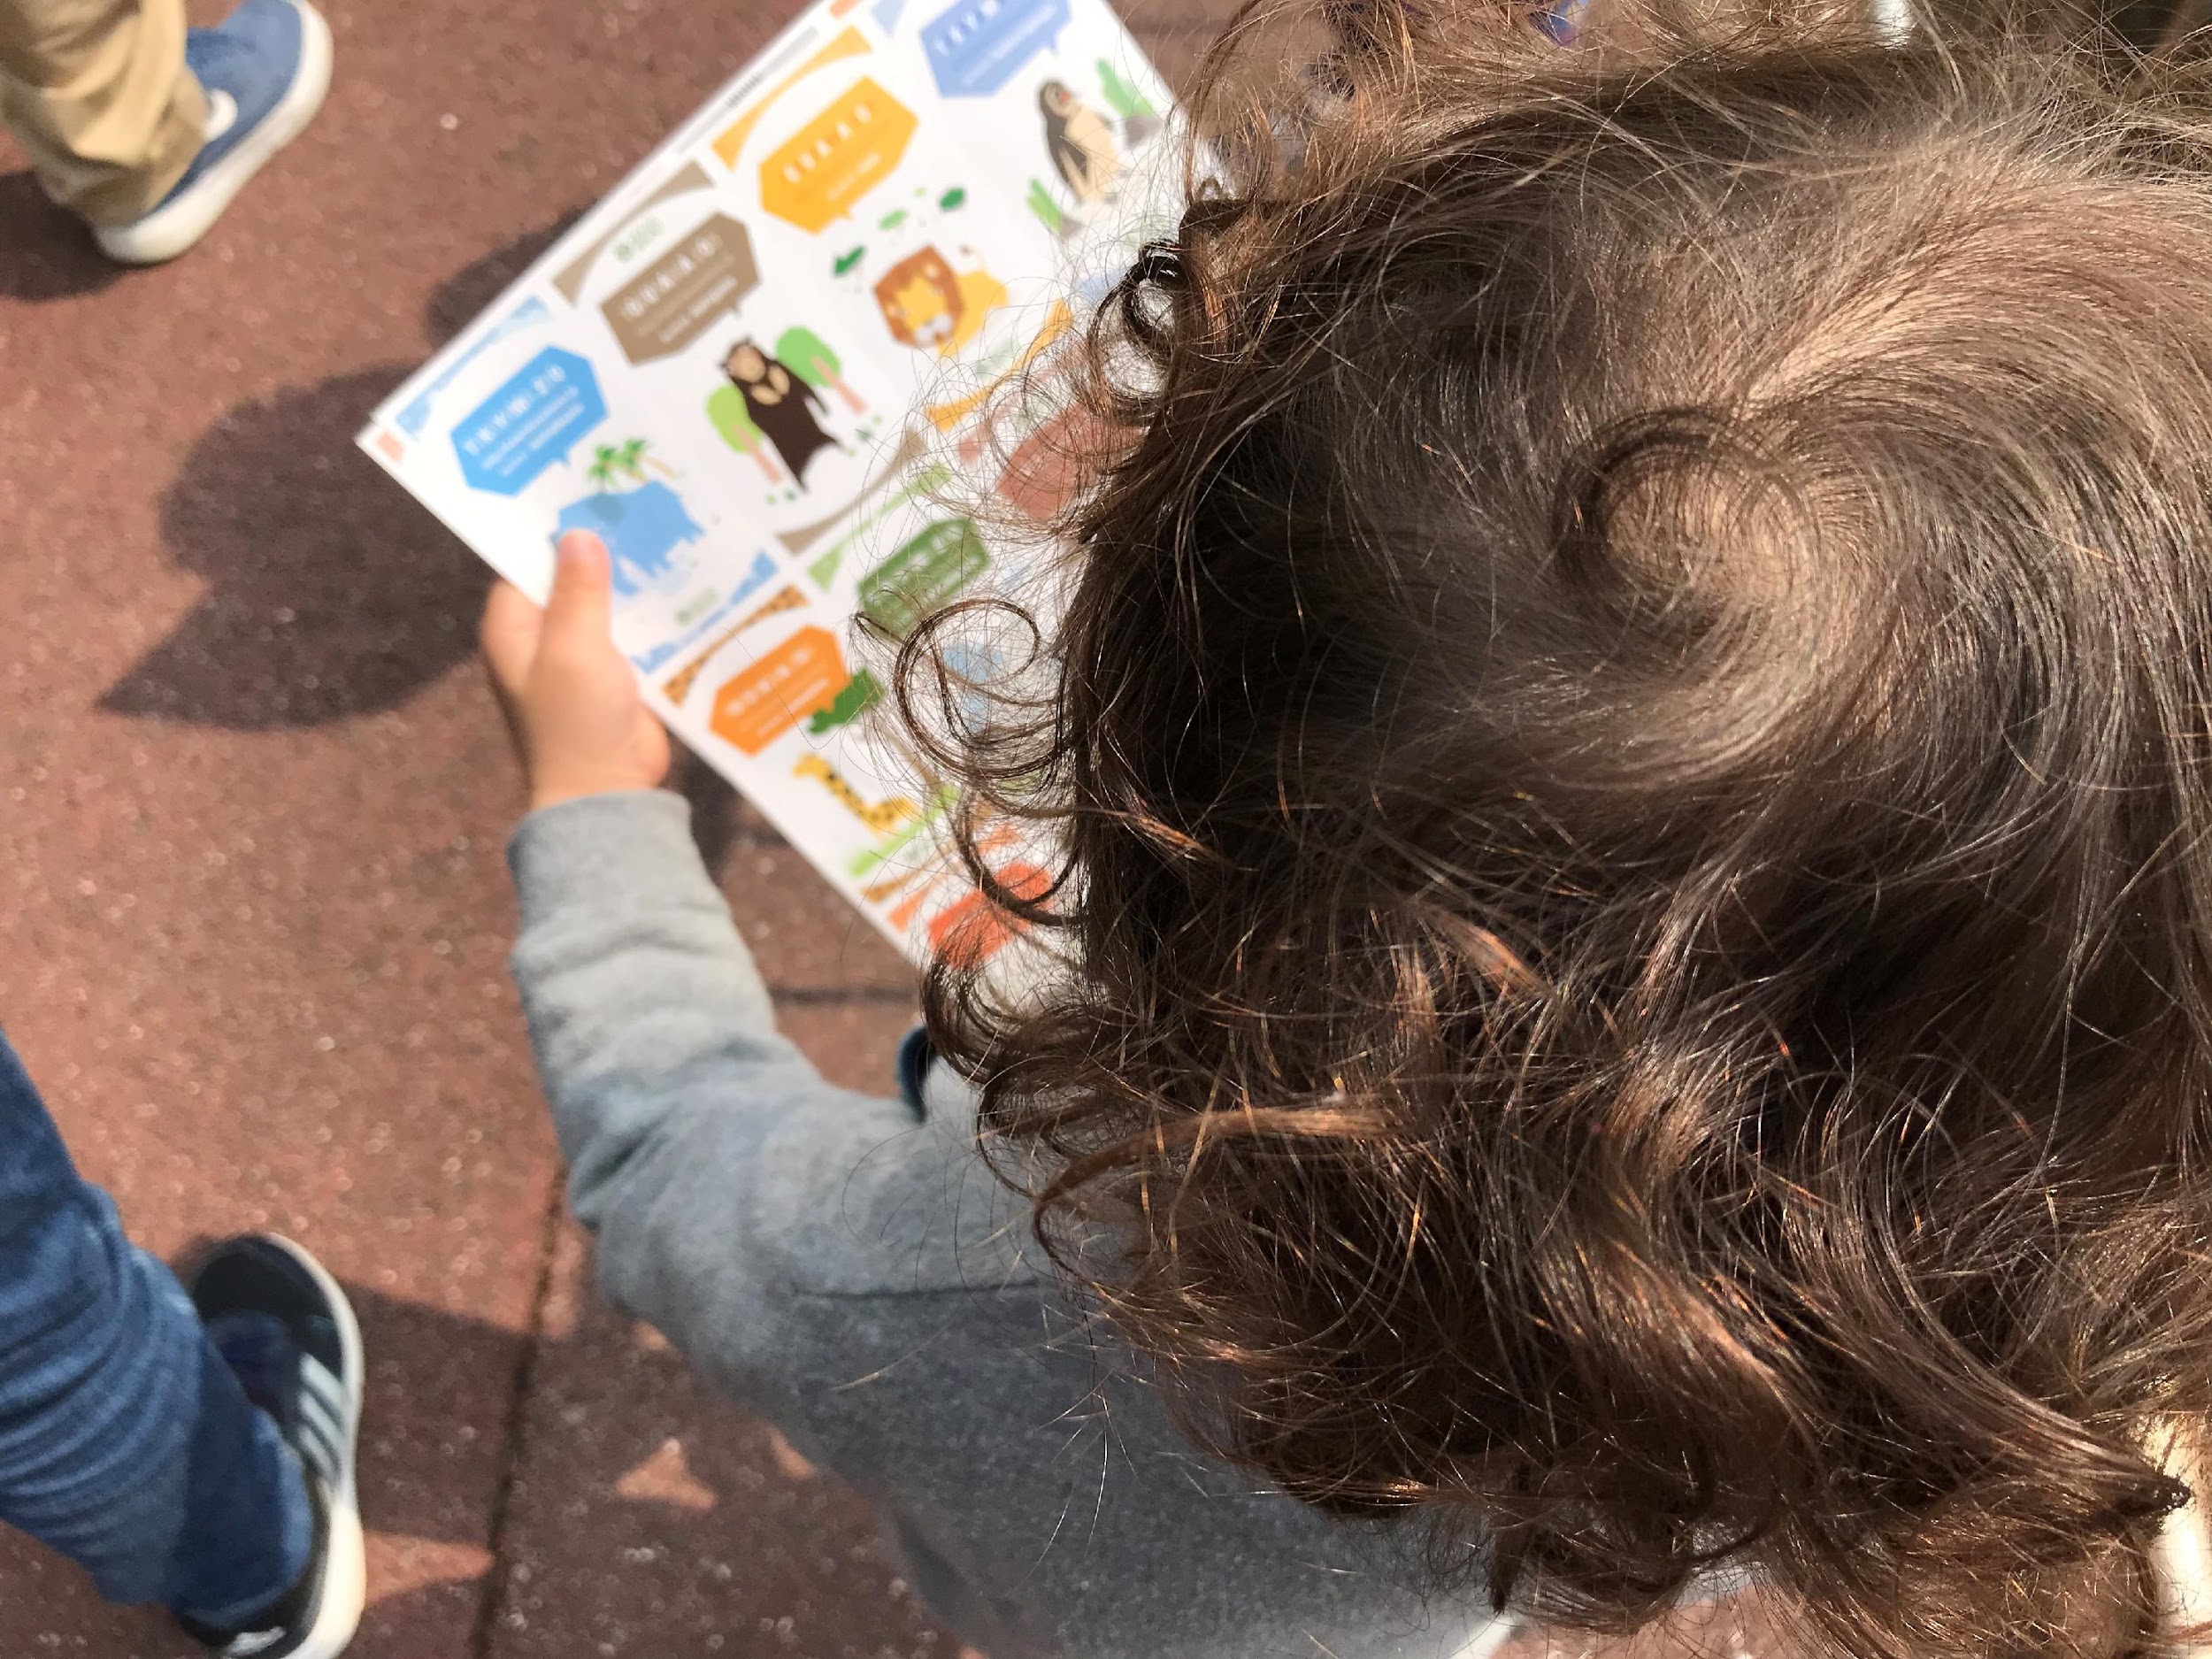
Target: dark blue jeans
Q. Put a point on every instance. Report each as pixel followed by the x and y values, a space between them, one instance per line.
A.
pixel 125 1442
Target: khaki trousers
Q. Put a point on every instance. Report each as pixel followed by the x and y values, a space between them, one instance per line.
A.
pixel 98 94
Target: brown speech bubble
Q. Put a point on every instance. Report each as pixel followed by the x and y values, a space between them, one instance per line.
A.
pixel 673 301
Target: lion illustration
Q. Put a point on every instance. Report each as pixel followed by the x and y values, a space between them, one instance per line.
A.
pixel 930 306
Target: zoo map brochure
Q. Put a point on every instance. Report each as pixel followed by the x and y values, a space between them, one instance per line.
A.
pixel 750 368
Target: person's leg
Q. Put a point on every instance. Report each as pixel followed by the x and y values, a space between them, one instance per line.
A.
pixel 126 1441
pixel 146 129
pixel 98 92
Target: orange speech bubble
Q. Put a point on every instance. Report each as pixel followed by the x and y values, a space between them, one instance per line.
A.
pixel 818 174
pixel 755 707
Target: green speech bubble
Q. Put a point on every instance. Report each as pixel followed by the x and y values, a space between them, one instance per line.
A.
pixel 922 575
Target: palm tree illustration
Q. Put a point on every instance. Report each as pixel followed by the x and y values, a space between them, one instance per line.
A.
pixel 632 458
pixel 627 459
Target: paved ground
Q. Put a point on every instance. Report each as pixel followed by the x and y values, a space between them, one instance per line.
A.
pixel 252 798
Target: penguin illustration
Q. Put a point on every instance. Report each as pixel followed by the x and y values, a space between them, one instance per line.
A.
pixel 1080 142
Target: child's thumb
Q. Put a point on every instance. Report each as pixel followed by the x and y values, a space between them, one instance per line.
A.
pixel 580 609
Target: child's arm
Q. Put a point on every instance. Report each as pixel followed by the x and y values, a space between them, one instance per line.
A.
pixel 626 959
pixel 703 1148
pixel 725 1178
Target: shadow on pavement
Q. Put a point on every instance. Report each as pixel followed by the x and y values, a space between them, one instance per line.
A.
pixel 462 296
pixel 331 593
pixel 45 254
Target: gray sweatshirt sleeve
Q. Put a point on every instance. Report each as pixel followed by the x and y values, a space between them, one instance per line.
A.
pixel 725 1180
pixel 852 1270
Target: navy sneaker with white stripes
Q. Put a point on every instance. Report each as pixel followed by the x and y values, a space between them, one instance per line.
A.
pixel 289 1332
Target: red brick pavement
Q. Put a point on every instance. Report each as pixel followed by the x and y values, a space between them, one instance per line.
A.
pixel 252 799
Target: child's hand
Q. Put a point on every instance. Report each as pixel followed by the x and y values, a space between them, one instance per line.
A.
pixel 571 700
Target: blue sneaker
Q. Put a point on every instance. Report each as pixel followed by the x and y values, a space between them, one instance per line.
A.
pixel 264 70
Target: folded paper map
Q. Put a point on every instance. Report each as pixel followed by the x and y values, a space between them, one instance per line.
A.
pixel 748 369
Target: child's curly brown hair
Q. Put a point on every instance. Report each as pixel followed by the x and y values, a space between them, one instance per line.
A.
pixel 1634 739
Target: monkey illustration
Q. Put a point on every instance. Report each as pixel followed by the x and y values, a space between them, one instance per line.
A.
pixel 781 404
pixel 1078 141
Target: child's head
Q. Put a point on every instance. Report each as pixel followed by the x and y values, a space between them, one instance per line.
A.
pixel 1635 734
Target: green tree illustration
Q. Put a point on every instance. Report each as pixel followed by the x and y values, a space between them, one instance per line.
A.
pixel 610 462
pixel 726 408
pixel 1040 202
pixel 1126 99
pixel 807 355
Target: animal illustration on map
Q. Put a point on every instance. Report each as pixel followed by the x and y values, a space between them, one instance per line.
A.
pixel 782 403
pixel 813 362
pixel 1080 142
pixel 882 816
pixel 643 528
pixel 860 694
pixel 929 305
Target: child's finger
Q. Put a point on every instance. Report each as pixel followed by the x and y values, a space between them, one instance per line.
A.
pixel 508 633
pixel 581 611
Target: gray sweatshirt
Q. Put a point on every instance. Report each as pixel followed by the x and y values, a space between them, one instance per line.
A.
pixel 845 1265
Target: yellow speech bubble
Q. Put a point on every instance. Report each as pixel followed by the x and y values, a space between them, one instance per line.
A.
pixel 817 174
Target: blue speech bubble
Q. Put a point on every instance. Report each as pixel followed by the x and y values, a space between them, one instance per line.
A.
pixel 975 48
pixel 531 422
